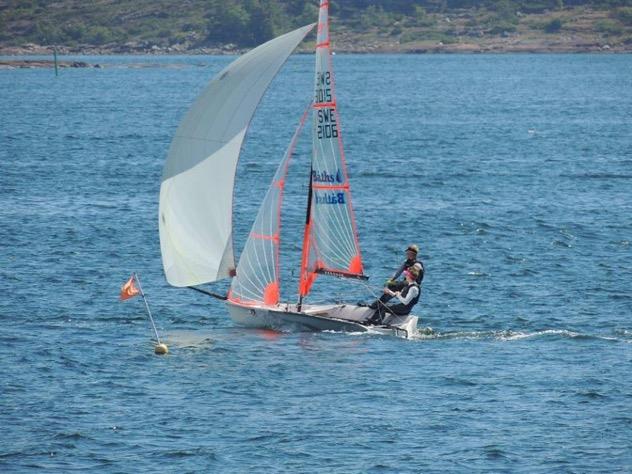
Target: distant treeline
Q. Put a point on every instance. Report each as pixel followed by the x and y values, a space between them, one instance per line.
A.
pixel 241 22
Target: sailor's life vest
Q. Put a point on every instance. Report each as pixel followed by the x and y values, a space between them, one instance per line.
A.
pixel 409 307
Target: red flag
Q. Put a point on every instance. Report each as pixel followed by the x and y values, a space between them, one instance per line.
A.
pixel 129 290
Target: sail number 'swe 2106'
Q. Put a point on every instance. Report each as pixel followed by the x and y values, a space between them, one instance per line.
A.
pixel 327 126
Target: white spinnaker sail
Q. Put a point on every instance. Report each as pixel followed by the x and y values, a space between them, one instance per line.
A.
pixel 196 193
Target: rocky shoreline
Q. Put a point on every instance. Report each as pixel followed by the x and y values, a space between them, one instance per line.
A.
pixel 43 63
pixel 344 45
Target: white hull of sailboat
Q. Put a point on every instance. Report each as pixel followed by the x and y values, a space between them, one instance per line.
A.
pixel 341 317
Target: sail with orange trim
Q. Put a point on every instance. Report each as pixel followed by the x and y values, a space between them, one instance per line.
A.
pixel 257 278
pixel 330 243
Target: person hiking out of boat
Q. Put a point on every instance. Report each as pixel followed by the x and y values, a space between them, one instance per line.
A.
pixel 407 297
pixel 393 284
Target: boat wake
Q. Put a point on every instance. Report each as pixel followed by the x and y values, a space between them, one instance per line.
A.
pixel 509 335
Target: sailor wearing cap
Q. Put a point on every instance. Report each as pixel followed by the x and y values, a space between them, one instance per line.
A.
pixel 411 260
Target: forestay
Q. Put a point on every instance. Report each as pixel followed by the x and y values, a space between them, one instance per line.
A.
pixel 196 193
pixel 330 243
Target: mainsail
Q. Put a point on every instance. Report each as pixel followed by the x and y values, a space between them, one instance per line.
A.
pixel 196 193
pixel 330 244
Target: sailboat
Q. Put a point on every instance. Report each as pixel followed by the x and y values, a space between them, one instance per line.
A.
pixel 196 200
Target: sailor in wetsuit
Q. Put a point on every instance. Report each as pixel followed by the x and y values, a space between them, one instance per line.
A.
pixel 407 298
pixel 393 285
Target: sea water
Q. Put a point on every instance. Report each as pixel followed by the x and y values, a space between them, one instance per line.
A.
pixel 513 173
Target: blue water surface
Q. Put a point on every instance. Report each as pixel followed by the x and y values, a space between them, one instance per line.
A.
pixel 512 172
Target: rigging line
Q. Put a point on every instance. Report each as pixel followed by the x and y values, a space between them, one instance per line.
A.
pixel 374 290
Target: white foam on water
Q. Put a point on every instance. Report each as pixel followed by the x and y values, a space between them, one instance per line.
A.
pixel 514 336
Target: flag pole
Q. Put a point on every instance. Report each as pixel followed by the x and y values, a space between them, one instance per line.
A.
pixel 160 347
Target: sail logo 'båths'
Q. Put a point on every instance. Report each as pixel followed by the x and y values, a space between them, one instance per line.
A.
pixel 324 177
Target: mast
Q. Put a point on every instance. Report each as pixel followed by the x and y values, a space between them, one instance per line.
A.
pixel 305 254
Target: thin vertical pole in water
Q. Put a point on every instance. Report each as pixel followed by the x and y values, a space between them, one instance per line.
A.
pixel 56 73
pixel 147 306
